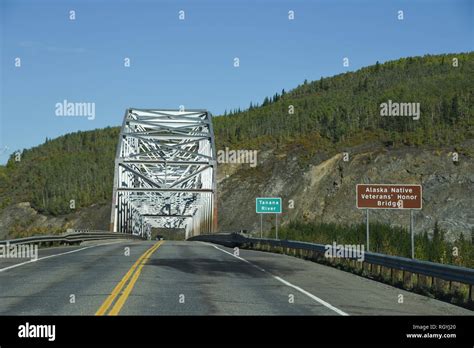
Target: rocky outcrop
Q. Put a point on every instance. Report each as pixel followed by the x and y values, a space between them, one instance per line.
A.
pixel 324 190
pixel 21 220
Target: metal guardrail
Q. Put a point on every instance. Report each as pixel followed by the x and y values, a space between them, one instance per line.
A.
pixel 426 268
pixel 70 237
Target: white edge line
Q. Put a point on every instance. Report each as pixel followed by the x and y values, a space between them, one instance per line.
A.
pixel 310 295
pixel 324 303
pixel 49 256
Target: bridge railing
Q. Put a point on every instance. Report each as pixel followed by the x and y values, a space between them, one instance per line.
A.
pixel 70 237
pixel 430 271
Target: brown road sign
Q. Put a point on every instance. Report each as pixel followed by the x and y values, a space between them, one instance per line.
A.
pixel 381 196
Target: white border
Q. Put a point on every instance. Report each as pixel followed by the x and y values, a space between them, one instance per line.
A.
pixel 281 206
pixel 421 196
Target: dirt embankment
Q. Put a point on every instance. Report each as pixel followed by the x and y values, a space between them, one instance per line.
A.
pixel 324 189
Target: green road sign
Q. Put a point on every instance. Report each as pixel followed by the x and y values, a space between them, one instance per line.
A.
pixel 268 205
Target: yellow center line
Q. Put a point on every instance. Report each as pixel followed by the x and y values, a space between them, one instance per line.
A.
pixel 121 301
pixel 118 288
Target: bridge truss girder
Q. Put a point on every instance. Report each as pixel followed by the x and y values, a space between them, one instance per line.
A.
pixel 165 172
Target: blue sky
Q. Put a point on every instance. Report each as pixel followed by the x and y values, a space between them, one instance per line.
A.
pixel 190 62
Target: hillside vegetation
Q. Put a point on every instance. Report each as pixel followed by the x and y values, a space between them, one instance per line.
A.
pixel 347 106
pixel 328 114
pixel 77 166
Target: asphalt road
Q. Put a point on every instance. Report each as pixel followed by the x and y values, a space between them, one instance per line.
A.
pixel 193 278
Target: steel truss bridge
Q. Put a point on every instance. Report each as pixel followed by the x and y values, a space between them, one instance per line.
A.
pixel 165 173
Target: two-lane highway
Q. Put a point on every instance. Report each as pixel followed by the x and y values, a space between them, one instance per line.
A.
pixel 193 278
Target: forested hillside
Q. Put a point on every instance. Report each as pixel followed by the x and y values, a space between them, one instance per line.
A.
pixel 331 112
pixel 347 105
pixel 77 166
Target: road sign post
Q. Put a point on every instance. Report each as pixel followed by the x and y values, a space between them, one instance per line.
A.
pixel 390 196
pixel 268 205
pixel 276 226
pixel 261 226
pixel 412 235
pixel 367 227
